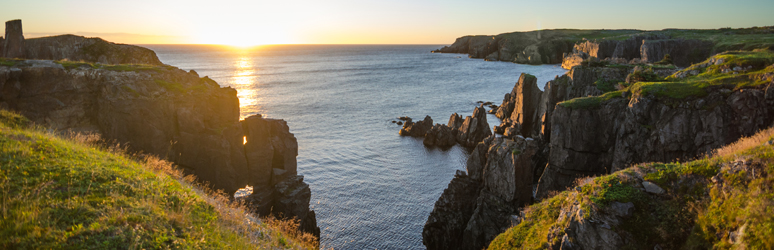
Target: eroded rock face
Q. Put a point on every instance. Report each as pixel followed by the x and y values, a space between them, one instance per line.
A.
pixel 477 207
pixel 13 46
pixel 520 109
pixel 189 120
pixel 441 136
pixel 586 142
pixel 474 128
pixel 683 52
pixel 417 129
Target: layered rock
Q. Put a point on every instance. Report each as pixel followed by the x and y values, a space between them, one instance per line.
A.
pixel 643 48
pixel 13 45
pixel 473 129
pixel 683 52
pixel 520 110
pixel 477 207
pixel 620 132
pixel 170 113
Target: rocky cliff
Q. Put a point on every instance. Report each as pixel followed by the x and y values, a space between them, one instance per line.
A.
pixel 479 204
pixel 467 132
pixel 168 112
pixel 570 47
pixel 678 119
pixel 710 203
pixel 71 48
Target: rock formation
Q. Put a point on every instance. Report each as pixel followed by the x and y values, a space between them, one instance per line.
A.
pixel 164 111
pixel 477 207
pixel 71 48
pixel 78 48
pixel 467 132
pixel 13 46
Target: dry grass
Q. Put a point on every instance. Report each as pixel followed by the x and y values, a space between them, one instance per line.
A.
pixel 745 143
pixel 73 190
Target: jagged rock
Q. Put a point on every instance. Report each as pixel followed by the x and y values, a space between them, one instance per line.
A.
pixel 474 129
pixel 499 182
pixel 587 142
pixel 417 129
pixel 13 46
pixel 440 135
pixel 520 108
pixel 455 121
pixel 652 188
pixel 451 213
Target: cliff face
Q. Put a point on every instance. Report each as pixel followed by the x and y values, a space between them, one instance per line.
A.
pixel 71 48
pixel 78 48
pixel 477 207
pixel 702 204
pixel 168 112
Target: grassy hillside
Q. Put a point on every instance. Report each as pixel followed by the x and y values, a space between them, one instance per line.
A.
pixel 734 69
pixel 69 192
pixel 721 202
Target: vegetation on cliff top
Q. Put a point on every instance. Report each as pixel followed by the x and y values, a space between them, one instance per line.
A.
pixel 731 70
pixel 70 192
pixel 720 201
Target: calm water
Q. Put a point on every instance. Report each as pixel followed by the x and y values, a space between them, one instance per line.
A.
pixel 371 189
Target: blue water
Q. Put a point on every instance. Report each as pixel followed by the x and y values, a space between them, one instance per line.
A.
pixel 371 189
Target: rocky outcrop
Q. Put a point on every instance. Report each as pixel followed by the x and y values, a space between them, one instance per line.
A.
pixel 467 132
pixel 621 131
pixel 477 207
pixel 72 48
pixel 520 108
pixel 475 46
pixel 13 45
pixel 473 129
pixel 78 48
pixel 642 48
pixel 683 52
pixel 170 113
pixel 417 129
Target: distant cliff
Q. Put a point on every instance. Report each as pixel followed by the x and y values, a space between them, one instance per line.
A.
pixel 569 47
pixel 71 48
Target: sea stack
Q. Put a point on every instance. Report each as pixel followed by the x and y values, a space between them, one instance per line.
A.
pixel 13 46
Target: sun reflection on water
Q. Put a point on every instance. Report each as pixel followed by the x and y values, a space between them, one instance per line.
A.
pixel 245 81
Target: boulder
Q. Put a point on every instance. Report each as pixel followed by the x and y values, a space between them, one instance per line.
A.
pixel 474 128
pixel 417 129
pixel 13 46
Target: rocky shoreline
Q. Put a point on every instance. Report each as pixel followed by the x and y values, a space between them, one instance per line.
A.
pixel 623 102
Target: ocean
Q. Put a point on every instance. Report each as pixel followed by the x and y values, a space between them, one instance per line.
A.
pixel 371 188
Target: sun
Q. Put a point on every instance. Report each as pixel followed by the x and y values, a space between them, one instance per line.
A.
pixel 244 37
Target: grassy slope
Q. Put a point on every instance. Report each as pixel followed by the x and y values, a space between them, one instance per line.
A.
pixel 67 193
pixel 706 201
pixel 673 89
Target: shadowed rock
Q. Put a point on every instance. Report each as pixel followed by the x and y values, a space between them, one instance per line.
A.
pixel 13 46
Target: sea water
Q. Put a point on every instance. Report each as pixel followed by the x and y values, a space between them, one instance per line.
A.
pixel 371 188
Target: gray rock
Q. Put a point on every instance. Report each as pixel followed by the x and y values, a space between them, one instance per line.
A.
pixel 623 210
pixel 652 188
pixel 13 45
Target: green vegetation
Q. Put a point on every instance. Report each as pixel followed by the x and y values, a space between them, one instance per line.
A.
pixel 713 202
pixel 8 62
pixel 71 193
pixel 667 60
pixel 68 65
pixel 753 70
pixel 606 85
pixel 591 101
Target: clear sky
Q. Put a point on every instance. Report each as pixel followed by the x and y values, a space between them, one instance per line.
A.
pixel 240 22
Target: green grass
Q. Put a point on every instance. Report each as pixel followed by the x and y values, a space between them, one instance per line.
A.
pixel 118 67
pixel 693 213
pixel 674 90
pixel 591 101
pixel 606 85
pixel 67 193
pixel 8 62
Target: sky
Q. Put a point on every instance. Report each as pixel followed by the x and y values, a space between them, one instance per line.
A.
pixel 245 23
